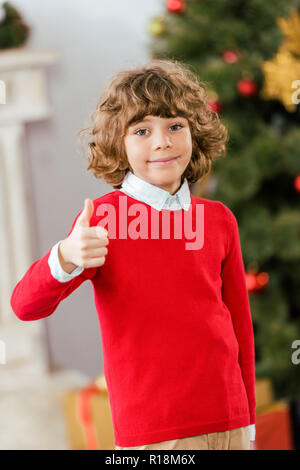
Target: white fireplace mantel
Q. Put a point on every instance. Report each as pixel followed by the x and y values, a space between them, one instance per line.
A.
pixel 23 71
pixel 23 57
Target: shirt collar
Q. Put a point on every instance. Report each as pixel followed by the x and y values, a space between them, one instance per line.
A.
pixel 153 195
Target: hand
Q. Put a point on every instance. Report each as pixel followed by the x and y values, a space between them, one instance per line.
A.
pixel 85 246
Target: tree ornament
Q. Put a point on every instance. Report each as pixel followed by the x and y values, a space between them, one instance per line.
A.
pixel 290 27
pixel 175 6
pixel 297 183
pixel 256 281
pixel 281 73
pixel 156 26
pixel 262 279
pixel 247 87
pixel 250 282
pixel 216 106
pixel 230 57
pixel 213 100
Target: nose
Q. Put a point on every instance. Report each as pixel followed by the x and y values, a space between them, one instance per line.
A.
pixel 162 140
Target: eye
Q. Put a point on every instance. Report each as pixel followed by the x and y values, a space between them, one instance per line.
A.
pixel 139 130
pixel 177 125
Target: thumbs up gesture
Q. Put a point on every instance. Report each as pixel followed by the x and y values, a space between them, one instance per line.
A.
pixel 85 246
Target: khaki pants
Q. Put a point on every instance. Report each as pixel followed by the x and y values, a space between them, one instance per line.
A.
pixel 235 439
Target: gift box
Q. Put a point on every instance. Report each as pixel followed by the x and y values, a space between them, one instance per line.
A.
pixel 274 427
pixel 89 423
pixel 88 417
pixel 263 393
pixel 274 423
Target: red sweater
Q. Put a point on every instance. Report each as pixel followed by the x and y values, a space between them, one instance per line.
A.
pixel 176 329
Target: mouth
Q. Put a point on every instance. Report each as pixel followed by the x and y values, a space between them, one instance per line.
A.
pixel 163 161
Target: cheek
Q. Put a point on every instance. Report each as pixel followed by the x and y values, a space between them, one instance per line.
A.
pixel 131 151
pixel 136 157
pixel 189 140
pixel 185 140
pixel 187 147
pixel 138 153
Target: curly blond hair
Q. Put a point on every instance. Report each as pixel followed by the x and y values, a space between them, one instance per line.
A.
pixel 165 88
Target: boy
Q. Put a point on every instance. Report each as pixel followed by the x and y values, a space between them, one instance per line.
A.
pixel 178 344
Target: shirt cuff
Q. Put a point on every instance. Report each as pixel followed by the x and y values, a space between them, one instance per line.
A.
pixel 55 267
pixel 252 432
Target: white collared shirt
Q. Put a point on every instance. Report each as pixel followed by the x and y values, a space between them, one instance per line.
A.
pixel 157 198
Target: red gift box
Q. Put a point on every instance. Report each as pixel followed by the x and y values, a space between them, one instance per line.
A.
pixel 274 428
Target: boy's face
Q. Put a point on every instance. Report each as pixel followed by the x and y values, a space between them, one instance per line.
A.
pixel 157 138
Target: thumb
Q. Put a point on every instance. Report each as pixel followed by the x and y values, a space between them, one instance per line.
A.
pixel 85 216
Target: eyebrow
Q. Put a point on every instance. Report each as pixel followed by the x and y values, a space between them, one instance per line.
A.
pixel 148 119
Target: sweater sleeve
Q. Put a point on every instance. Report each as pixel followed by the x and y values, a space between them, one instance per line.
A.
pixel 38 294
pixel 235 296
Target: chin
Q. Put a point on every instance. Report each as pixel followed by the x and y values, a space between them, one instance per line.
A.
pixel 166 178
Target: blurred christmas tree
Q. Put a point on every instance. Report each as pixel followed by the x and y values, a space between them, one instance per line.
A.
pixel 248 53
pixel 13 31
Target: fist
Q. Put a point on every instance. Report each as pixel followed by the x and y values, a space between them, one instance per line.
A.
pixel 85 246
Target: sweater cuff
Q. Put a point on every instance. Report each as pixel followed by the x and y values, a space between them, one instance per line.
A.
pixel 252 432
pixel 55 267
